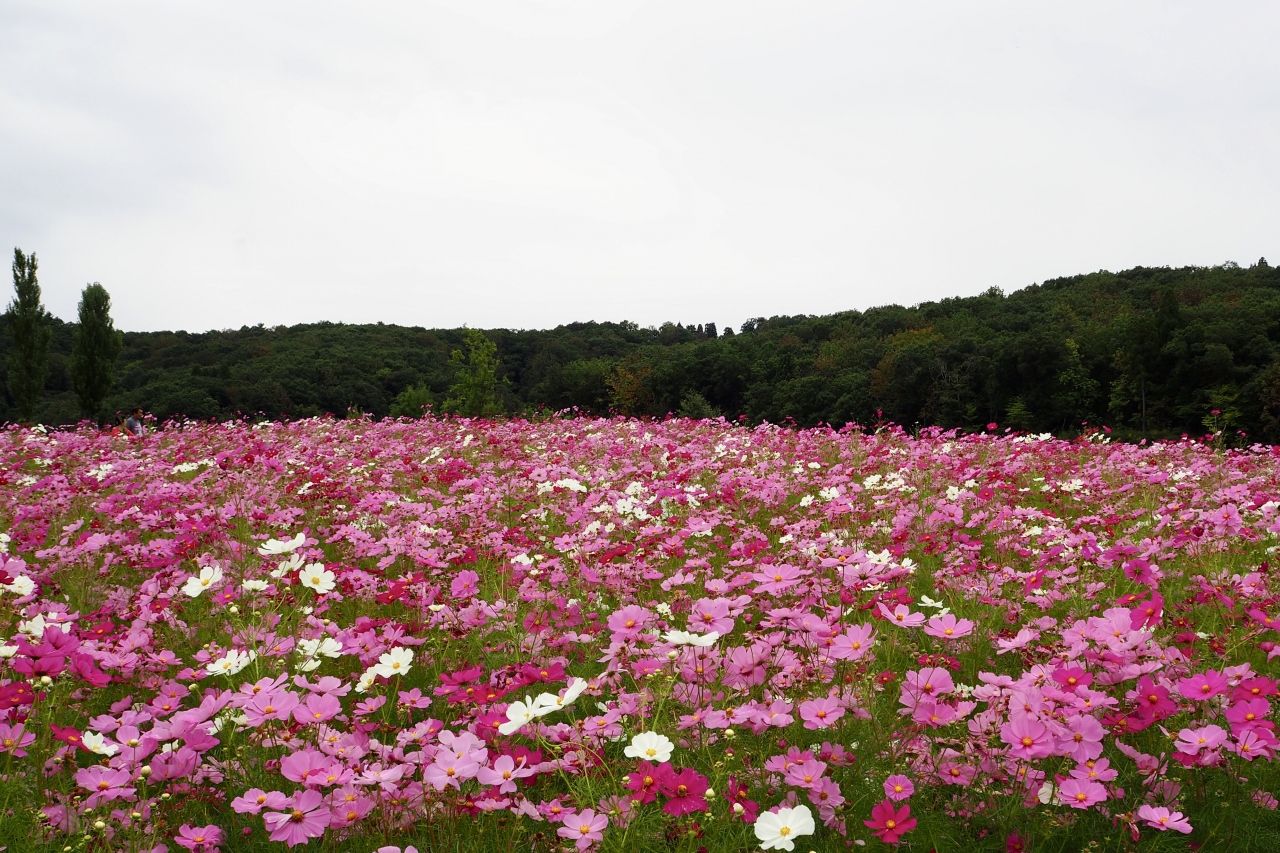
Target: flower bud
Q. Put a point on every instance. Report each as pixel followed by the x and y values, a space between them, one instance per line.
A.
pixel 145 771
pixel 46 680
pixel 709 793
pixel 99 825
pixel 730 734
pixel 738 809
pixel 672 655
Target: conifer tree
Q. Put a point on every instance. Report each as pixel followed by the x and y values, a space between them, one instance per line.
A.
pixel 97 345
pixel 29 323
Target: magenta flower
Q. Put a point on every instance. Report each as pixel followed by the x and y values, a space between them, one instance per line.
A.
pixel 685 790
pixel 889 824
pixel 1191 741
pixel 820 713
pixel 711 614
pixel 1203 686
pixel 307 818
pixel 199 838
pixel 583 828
pixel 898 788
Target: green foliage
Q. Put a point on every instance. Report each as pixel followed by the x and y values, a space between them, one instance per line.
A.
pixel 1145 351
pixel 475 394
pixel 29 327
pixel 696 406
pixel 412 402
pixel 96 348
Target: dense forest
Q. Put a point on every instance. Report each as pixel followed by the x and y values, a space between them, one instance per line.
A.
pixel 1153 351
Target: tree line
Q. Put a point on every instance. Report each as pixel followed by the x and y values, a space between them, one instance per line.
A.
pixel 1146 351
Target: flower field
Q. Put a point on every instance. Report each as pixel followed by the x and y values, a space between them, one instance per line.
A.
pixel 614 635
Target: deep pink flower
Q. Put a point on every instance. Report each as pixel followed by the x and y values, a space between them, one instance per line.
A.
pixel 1203 686
pixel 889 824
pixel 644 781
pixel 685 790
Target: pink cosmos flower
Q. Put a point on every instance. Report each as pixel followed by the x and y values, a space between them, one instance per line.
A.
pixel 14 738
pixel 889 824
pixel 853 644
pixel 1203 686
pixel 1081 793
pixel 1027 738
pixel 820 713
pixel 255 800
pixel 711 614
pixel 1191 741
pixel 805 774
pixel 584 828
pixel 1083 738
pixel 199 838
pixel 898 787
pixel 1162 819
pixel 504 773
pixel 927 683
pixel 307 818
pixel 105 783
pixel 1019 641
pixel 948 627
pixel 318 708
pixel 629 621
pixel 901 616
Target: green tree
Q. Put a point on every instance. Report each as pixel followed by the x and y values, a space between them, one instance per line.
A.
pixel 475 394
pixel 29 326
pixel 412 402
pixel 95 350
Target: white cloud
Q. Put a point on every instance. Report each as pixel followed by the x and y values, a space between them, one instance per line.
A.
pixel 525 164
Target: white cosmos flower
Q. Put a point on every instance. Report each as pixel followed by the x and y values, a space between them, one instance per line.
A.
pixel 518 713
pixel 551 702
pixel 253 585
pixel 286 566
pixel 275 547
pixel 232 662
pixel 197 584
pixel 366 680
pixel 95 742
pixel 33 627
pixel 398 661
pixel 650 746
pixel 317 578
pixel 778 830
pixel 21 586
pixel 7 651
pixel 686 638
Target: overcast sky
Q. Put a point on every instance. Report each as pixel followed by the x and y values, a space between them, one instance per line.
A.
pixel 530 163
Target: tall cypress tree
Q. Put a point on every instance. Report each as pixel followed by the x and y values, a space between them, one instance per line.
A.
pixel 29 323
pixel 95 349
